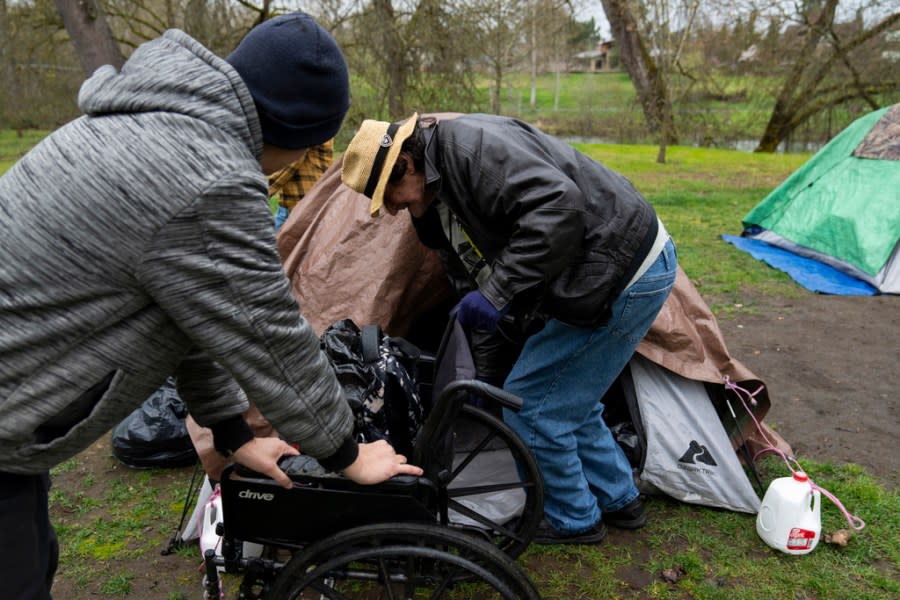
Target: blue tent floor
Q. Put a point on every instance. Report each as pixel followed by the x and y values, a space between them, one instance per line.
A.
pixel 813 275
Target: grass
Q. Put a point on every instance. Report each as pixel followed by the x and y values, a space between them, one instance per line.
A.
pixel 577 92
pixel 112 530
pixel 717 553
pixel 14 144
pixel 112 523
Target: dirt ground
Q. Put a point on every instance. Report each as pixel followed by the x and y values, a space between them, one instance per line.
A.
pixel 831 365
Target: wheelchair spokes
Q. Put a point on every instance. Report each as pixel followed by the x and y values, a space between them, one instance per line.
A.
pixel 403 561
pixel 508 510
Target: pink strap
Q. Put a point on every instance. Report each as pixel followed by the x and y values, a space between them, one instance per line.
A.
pixel 745 396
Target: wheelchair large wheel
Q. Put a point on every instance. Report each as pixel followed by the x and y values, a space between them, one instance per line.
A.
pixel 495 487
pixel 402 560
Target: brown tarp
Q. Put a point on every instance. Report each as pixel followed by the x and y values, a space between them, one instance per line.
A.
pixel 685 339
pixel 344 264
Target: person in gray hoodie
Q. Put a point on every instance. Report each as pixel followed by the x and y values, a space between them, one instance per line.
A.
pixel 137 242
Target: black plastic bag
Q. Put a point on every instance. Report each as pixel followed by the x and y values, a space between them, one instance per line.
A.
pixel 155 434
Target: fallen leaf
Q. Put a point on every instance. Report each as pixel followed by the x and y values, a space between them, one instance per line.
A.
pixel 673 574
pixel 839 537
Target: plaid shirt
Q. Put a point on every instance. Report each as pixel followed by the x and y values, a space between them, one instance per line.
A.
pixel 291 183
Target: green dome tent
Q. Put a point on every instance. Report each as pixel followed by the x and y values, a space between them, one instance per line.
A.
pixel 843 206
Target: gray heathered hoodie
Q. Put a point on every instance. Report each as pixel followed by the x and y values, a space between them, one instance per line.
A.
pixel 136 241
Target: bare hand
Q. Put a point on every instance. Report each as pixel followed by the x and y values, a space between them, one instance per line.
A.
pixel 261 454
pixel 378 462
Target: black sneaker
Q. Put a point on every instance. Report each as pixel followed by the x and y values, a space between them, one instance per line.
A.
pixel 547 534
pixel 630 516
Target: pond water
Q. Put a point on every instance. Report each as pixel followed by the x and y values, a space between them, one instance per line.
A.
pixel 740 145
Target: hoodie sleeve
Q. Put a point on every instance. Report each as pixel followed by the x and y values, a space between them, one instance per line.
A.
pixel 214 269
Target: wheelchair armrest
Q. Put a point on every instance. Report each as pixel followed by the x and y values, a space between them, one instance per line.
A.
pixel 486 390
pixel 305 471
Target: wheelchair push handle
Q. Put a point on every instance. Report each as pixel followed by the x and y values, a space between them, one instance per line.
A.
pixel 463 373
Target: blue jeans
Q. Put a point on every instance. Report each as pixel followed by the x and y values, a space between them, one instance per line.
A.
pixel 561 376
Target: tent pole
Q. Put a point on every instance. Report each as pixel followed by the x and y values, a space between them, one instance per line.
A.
pixel 176 542
pixel 745 450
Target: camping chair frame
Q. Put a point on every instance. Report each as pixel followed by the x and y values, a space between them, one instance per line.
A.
pixel 397 538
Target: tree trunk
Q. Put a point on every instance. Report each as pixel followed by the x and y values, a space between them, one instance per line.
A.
pixel 7 81
pixel 534 54
pixel 777 129
pixel 556 91
pixel 90 33
pixel 663 137
pixel 648 80
pixel 498 87
pixel 393 51
pixel 197 21
pixel 788 102
pixel 806 90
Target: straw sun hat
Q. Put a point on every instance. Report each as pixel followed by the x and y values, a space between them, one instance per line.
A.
pixel 371 156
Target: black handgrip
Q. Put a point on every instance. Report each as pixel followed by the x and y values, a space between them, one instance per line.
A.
pixel 486 390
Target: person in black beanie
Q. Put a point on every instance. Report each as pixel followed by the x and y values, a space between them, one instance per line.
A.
pixel 138 243
pixel 298 79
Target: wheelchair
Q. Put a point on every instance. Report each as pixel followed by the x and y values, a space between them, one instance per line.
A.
pixel 453 532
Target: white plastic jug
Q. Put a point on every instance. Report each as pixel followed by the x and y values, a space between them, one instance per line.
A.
pixel 789 518
pixel 209 531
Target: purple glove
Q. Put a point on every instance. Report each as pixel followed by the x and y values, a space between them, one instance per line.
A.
pixel 474 311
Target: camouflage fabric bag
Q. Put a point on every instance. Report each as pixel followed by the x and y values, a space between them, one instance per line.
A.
pixel 378 374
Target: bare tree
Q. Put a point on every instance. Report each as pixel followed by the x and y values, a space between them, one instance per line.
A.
pixel 668 27
pixel 497 36
pixel 832 65
pixel 217 24
pixel 86 23
pixel 646 75
pixel 411 54
pixel 553 28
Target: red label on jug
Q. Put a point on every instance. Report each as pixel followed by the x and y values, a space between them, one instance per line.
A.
pixel 800 539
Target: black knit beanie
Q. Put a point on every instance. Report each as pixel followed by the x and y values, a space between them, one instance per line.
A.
pixel 298 79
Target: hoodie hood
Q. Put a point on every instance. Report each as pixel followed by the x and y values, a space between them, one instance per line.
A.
pixel 176 73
